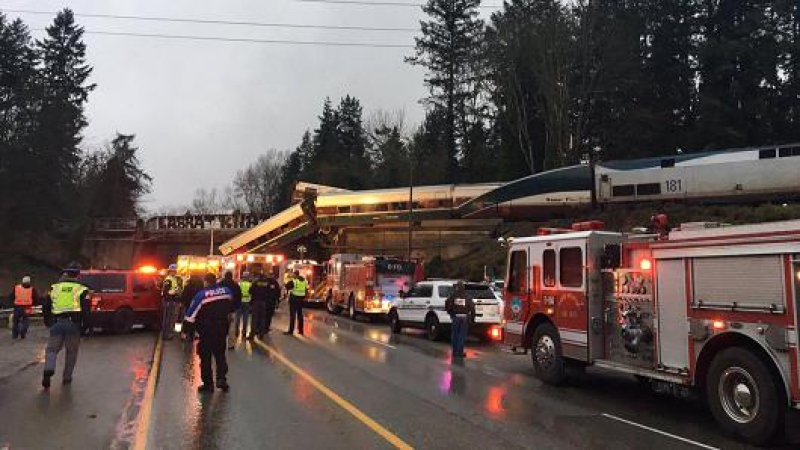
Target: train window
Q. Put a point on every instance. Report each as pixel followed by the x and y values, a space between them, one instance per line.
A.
pixel 344 209
pixel 766 153
pixel 622 190
pixel 517 277
pixel 670 162
pixel 648 189
pixel 549 266
pixel 571 270
pixel 789 151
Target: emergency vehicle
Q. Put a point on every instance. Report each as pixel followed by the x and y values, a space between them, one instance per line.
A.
pixel 188 265
pixel 367 284
pixel 267 263
pixel 313 272
pixel 710 308
pixel 424 307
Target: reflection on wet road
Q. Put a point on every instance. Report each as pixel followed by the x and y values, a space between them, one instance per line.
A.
pixel 412 388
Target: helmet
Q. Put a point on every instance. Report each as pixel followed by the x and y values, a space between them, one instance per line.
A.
pixel 72 268
pixel 172 267
pixel 246 274
pixel 26 280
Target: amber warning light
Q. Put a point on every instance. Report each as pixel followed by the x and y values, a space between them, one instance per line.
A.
pixel 148 269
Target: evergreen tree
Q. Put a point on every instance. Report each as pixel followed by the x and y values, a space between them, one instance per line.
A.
pixel 17 124
pixel 64 91
pixel 429 150
pixel 116 188
pixel 449 49
pixel 391 158
pixel 352 143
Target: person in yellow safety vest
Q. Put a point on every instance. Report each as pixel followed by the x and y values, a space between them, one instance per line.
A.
pixel 243 313
pixel 64 310
pixel 170 301
pixel 297 288
pixel 22 298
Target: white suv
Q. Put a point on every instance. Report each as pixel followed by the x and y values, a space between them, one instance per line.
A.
pixel 423 307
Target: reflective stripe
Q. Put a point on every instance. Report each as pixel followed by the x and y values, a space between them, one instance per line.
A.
pixel 174 285
pixel 299 287
pixel 66 297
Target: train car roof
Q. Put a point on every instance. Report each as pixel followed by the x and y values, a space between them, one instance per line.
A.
pixel 655 162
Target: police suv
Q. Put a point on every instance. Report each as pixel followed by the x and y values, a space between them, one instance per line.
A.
pixel 423 307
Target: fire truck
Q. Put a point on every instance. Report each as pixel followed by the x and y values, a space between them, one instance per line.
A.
pixel 313 272
pixel 367 285
pixel 706 308
pixel 188 265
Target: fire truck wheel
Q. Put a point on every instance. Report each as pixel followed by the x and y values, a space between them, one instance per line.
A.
pixel 548 362
pixel 744 398
pixel 351 307
pixel 394 322
pixel 333 309
pixel 433 329
pixel 122 321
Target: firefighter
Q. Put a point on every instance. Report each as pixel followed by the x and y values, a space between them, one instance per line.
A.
pixel 460 307
pixel 209 313
pixel 228 282
pixel 297 288
pixel 170 301
pixel 265 292
pixel 243 314
pixel 64 310
pixel 22 298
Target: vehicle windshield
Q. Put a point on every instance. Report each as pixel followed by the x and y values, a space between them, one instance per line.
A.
pixel 104 283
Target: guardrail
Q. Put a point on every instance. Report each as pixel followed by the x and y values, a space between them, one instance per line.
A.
pixel 6 314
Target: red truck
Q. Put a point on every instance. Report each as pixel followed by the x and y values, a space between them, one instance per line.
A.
pixel 123 298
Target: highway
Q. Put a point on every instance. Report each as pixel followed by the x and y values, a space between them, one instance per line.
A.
pixel 346 384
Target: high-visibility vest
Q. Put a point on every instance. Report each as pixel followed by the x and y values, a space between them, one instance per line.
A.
pixel 299 287
pixel 23 297
pixel 66 297
pixel 174 285
pixel 244 285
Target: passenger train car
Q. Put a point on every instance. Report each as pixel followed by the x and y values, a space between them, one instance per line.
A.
pixel 746 174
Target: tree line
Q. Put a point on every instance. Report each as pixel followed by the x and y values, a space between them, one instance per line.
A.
pixel 547 83
pixel 46 177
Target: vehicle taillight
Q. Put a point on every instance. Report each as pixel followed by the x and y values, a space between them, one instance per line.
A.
pixel 496 333
pixel 95 301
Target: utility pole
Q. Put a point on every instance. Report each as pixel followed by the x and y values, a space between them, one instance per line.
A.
pixel 410 202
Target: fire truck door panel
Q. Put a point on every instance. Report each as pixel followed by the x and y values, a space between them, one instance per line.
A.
pixel 753 281
pixel 517 295
pixel 629 320
pixel 673 348
pixel 796 331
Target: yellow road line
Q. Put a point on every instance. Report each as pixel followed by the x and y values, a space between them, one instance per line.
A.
pixel 143 421
pixel 336 398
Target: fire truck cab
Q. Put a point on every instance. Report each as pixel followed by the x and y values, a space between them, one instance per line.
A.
pixel 313 272
pixel 711 308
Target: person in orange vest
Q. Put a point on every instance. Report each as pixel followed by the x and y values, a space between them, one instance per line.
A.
pixel 22 297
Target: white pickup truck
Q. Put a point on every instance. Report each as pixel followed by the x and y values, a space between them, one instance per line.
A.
pixel 423 307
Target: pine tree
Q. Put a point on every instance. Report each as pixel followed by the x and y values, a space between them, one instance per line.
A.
pixel 64 91
pixel 391 158
pixel 17 124
pixel 121 182
pixel 352 145
pixel 449 49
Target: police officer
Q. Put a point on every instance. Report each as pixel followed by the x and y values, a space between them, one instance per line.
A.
pixel 22 298
pixel 64 310
pixel 209 314
pixel 460 306
pixel 170 301
pixel 265 292
pixel 243 314
pixel 193 285
pixel 297 288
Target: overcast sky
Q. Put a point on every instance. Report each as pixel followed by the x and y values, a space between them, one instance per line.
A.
pixel 201 110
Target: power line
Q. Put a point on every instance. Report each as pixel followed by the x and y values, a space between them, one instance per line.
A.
pixel 247 40
pixel 381 3
pixel 212 22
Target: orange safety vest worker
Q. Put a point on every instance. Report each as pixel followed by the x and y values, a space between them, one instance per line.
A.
pixel 23 297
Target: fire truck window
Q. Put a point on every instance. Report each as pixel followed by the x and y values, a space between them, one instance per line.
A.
pixel 549 267
pixel 571 269
pixel 517 277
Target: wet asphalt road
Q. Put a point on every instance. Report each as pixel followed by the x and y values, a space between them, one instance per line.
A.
pixel 405 383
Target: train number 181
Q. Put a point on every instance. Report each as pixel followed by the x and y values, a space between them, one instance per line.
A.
pixel 673 185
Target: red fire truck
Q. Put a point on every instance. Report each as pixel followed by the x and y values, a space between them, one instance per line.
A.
pixel 708 308
pixel 367 284
pixel 313 272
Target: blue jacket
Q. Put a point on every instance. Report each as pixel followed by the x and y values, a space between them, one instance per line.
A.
pixel 209 310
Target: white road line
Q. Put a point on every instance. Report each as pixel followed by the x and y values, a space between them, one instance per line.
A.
pixel 657 431
pixel 380 343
